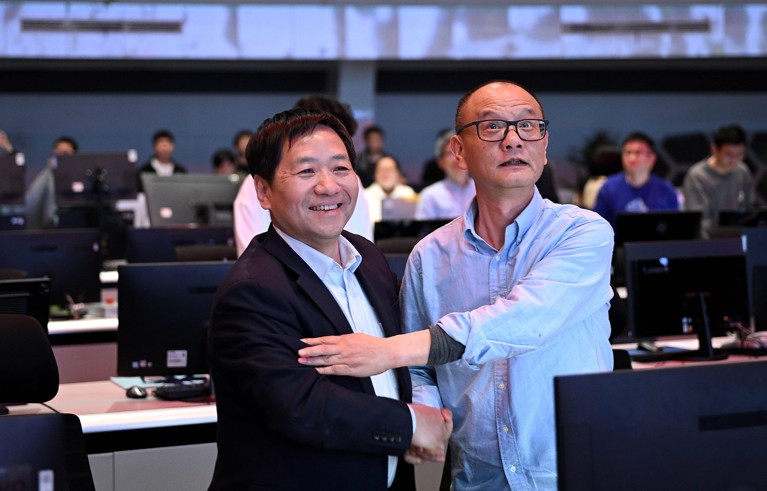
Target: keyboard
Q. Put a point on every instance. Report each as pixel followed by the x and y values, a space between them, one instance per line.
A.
pixel 174 392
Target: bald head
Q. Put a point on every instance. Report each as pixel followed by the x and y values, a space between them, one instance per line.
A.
pixel 460 119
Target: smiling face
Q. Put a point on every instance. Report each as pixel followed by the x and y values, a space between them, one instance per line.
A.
pixel 508 168
pixel 314 189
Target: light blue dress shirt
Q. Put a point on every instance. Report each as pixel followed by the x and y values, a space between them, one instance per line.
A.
pixel 535 309
pixel 444 200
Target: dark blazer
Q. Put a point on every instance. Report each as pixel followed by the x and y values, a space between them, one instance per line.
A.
pixel 282 425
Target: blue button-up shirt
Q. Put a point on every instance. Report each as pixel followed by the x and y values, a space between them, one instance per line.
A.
pixel 535 309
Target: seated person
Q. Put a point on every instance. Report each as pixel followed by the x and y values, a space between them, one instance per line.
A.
pixel 224 162
pixel 240 142
pixel 387 185
pixel 161 162
pixel 42 208
pixel 450 197
pixel 721 181
pixel 636 189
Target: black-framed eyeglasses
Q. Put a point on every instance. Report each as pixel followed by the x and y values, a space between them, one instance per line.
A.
pixel 495 130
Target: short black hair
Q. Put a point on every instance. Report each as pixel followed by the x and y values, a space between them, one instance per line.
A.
pixel 339 109
pixel 731 134
pixel 241 134
pixel 373 129
pixel 467 95
pixel 67 139
pixel 638 136
pixel 163 133
pixel 264 151
pixel 221 156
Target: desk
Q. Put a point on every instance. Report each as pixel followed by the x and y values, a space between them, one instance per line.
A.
pixel 85 349
pixel 139 444
pixel 686 343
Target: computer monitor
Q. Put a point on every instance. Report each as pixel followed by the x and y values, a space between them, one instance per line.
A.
pixel 743 218
pixel 12 187
pixel 398 209
pixel 156 245
pixel 182 199
pixel 657 225
pixel 71 258
pixel 700 427
pixel 387 229
pixel 686 288
pixel 28 296
pixel 13 171
pixel 754 243
pixel 90 177
pixel 164 313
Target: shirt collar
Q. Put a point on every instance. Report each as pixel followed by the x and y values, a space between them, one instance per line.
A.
pixel 319 262
pixel 515 232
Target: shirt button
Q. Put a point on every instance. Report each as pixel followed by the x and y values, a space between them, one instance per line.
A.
pixel 497 258
pixel 513 468
pixel 501 385
pixel 505 429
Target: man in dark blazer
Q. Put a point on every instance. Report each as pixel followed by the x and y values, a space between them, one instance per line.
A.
pixel 282 425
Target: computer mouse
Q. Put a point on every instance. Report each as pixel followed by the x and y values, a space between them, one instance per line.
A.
pixel 136 392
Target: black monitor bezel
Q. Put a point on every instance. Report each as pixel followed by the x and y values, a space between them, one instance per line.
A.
pixel 66 256
pixel 105 176
pixel 655 226
pixel 12 184
pixel 636 251
pixel 155 299
pixel 34 293
pixel 190 199
pixel 662 428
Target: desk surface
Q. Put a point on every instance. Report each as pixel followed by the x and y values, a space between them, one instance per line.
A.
pixel 103 407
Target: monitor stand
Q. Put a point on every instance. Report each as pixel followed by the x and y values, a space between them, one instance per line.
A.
pixel 649 352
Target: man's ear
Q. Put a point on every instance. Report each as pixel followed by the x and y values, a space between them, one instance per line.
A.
pixel 263 190
pixel 456 145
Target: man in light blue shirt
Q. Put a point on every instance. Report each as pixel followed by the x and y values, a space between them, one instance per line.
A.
pixel 516 291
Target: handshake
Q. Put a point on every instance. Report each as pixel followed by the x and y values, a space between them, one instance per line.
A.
pixel 432 430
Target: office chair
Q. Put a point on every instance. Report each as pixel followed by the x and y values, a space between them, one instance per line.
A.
pixel 28 370
pixel 29 374
pixel 684 150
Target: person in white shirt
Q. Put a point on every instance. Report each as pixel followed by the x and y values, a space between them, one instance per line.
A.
pixel 386 185
pixel 451 196
pixel 162 162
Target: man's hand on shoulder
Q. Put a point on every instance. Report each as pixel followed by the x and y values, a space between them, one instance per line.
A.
pixel 361 355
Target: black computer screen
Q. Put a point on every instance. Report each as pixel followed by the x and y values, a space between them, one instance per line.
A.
pixel 657 225
pixel 755 250
pixel 87 177
pixel 387 229
pixel 158 244
pixel 28 296
pixel 181 199
pixel 700 427
pixel 163 315
pixel 670 283
pixel 71 258
pixel 743 218
pixel 12 172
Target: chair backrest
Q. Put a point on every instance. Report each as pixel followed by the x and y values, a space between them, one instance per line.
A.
pixel 28 370
pixel 44 451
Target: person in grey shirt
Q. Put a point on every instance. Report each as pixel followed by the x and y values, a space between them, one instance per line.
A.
pixel 721 181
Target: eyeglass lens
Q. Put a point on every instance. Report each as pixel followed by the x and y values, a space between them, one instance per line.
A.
pixel 527 129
